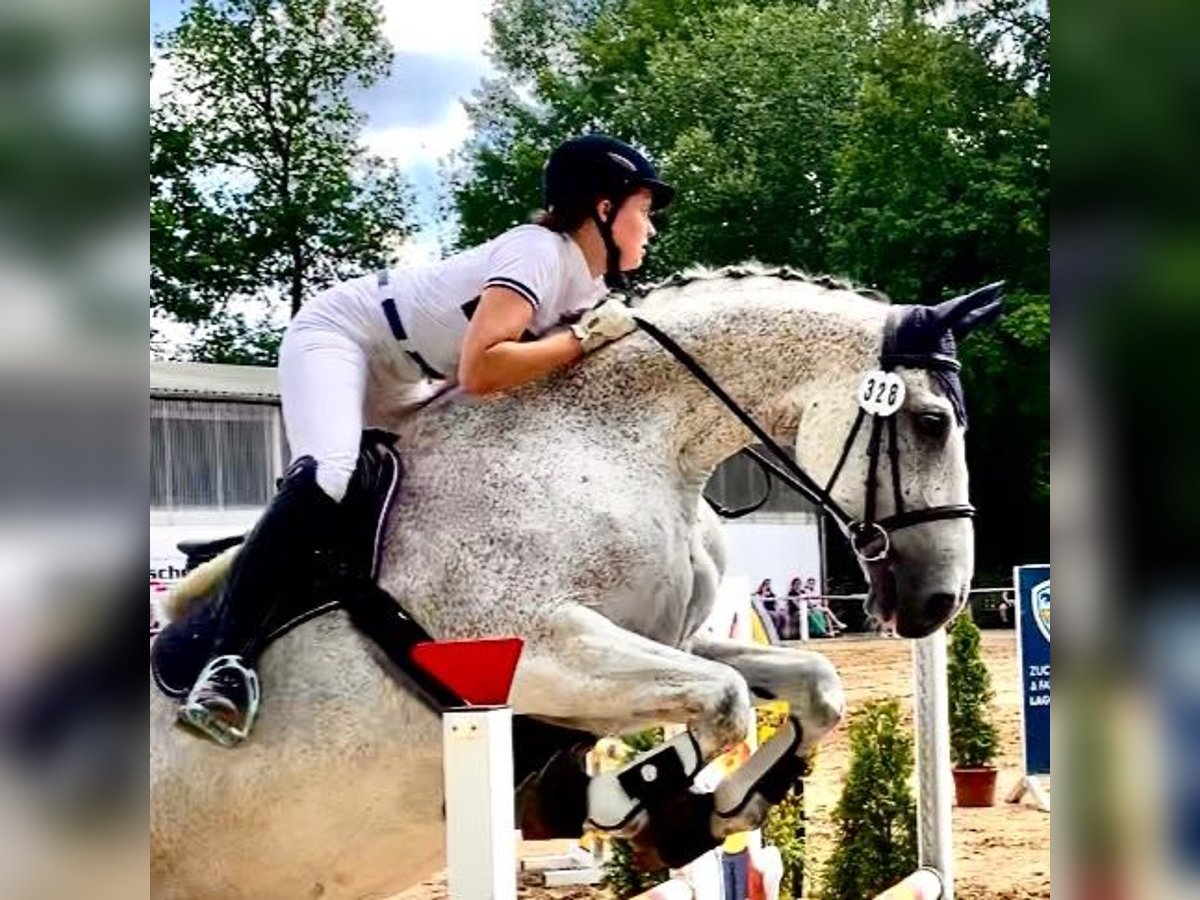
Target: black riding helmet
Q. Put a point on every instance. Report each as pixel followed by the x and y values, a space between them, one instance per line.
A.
pixel 585 169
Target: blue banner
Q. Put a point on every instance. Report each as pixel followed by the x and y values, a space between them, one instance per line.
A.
pixel 1032 586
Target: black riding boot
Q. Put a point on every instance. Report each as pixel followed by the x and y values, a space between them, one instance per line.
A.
pixel 293 546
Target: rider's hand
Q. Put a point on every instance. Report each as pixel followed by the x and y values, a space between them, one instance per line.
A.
pixel 604 324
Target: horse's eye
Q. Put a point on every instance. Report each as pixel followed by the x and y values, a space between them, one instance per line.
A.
pixel 932 424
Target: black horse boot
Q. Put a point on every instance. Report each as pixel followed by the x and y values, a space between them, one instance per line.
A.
pixel 292 547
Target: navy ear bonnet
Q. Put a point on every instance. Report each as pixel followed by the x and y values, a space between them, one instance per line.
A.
pixel 925 337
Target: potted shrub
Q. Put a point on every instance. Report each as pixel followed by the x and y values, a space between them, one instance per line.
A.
pixel 972 735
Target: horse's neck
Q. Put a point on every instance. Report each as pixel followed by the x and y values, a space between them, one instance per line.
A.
pixel 775 347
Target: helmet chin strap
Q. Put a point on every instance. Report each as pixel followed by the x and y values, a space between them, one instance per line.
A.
pixel 613 276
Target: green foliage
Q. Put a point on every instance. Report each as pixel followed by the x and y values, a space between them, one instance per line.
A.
pixel 1006 375
pixel 972 736
pixel 641 741
pixel 876 817
pixel 232 340
pixel 943 179
pixel 624 878
pixel 259 188
pixel 784 829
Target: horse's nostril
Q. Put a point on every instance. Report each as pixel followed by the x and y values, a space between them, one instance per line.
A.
pixel 921 621
pixel 940 606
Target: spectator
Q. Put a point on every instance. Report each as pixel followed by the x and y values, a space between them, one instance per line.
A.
pixel 793 606
pixel 1004 609
pixel 818 625
pixel 774 609
pixel 831 623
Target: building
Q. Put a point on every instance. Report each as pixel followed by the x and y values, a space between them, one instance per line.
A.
pixel 216 447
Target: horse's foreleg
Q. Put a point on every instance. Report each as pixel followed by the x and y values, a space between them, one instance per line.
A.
pixel 810 685
pixel 806 680
pixel 581 669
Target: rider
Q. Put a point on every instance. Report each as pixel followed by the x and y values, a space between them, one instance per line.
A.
pixel 488 318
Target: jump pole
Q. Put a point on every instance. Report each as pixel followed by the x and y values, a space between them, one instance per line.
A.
pixel 935 879
pixel 477 765
pixel 935 785
pixel 923 884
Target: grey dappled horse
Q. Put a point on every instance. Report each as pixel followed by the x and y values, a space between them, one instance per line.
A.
pixel 569 513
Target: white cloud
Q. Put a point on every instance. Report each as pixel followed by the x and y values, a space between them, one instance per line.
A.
pixel 412 145
pixel 457 27
pixel 422 247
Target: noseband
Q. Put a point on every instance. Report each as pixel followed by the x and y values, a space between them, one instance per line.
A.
pixel 870 538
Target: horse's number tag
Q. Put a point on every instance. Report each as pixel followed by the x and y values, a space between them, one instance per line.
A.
pixel 881 393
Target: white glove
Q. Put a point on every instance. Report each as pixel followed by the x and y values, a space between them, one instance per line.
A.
pixel 604 324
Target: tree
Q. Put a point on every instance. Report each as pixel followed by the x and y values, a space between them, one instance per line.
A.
pixel 943 181
pixel 259 187
pixel 1006 377
pixel 737 103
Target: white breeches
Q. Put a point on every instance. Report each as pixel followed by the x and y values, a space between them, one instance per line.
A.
pixel 324 376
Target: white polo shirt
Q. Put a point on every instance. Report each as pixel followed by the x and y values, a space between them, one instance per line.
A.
pixel 423 310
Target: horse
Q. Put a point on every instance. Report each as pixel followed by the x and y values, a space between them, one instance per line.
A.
pixel 569 513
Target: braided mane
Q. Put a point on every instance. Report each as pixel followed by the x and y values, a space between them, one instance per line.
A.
pixel 701 274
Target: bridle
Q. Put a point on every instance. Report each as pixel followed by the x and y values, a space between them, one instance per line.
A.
pixel 870 538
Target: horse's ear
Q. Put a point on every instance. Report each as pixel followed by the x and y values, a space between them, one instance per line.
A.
pixel 961 314
pixel 982 316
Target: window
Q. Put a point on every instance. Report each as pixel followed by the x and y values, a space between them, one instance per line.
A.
pixel 213 455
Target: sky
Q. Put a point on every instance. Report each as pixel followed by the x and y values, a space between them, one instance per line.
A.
pixel 415 116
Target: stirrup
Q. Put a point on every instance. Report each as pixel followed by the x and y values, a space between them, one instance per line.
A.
pixel 196 715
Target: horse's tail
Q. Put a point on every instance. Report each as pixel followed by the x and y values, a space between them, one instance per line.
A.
pixel 198 584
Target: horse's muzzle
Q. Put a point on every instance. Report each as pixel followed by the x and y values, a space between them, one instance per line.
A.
pixel 930 614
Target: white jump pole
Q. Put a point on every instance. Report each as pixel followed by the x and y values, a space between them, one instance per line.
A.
pixel 923 884
pixel 481 850
pixel 934 782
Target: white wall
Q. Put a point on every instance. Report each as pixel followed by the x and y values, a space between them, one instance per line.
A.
pixel 776 550
pixel 168 528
